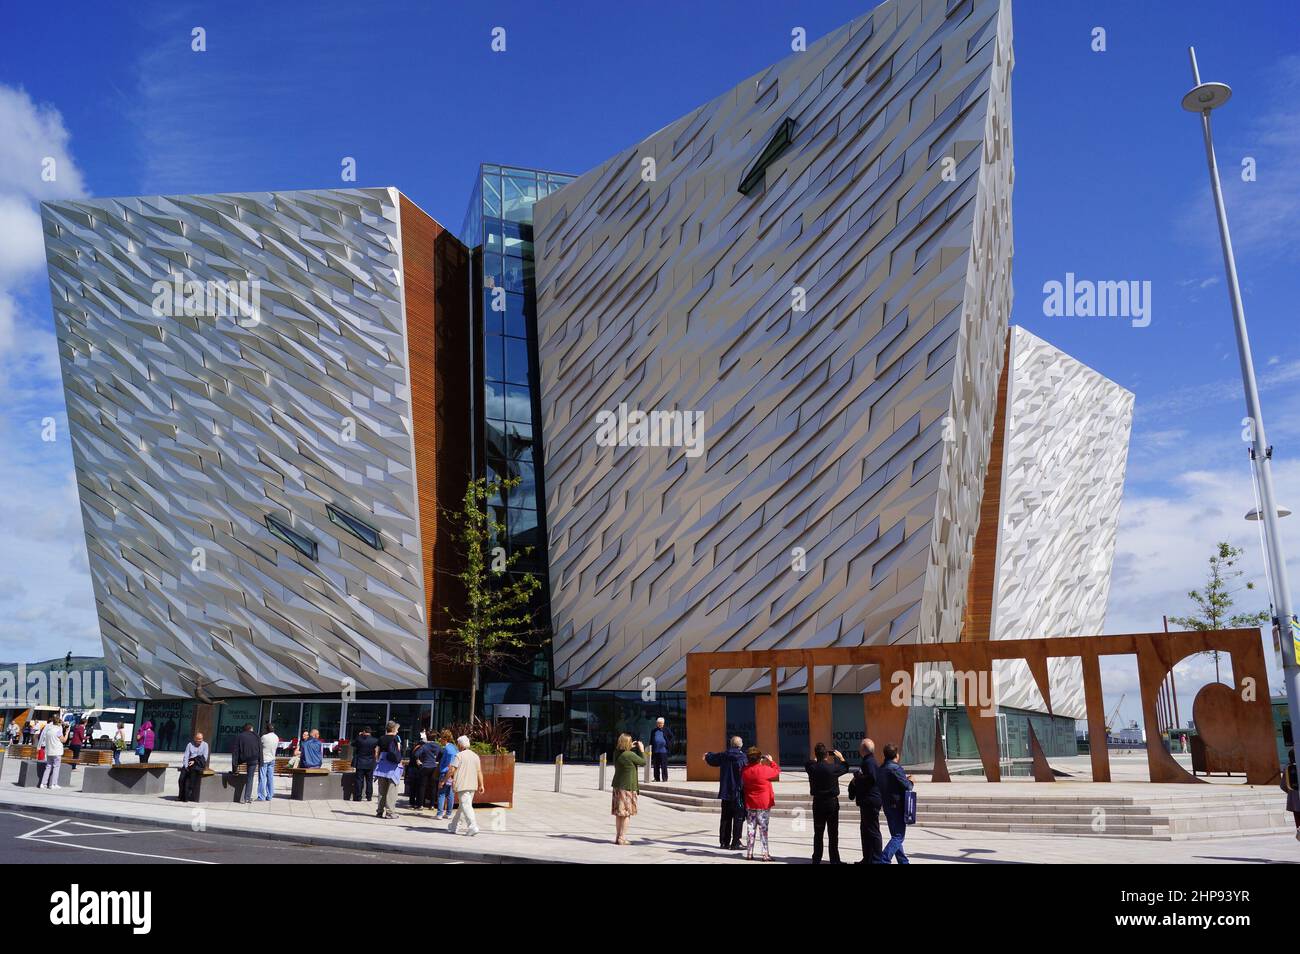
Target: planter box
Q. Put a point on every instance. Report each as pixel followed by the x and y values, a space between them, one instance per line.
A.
pixel 498 780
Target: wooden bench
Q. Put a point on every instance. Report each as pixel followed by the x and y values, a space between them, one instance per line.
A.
pixel 96 757
pixel 136 778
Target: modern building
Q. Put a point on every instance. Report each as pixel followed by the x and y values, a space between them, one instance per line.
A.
pixel 755 376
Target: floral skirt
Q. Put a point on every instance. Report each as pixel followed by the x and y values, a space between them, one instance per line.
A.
pixel 624 804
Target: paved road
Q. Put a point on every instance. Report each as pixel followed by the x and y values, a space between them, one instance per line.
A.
pixel 31 837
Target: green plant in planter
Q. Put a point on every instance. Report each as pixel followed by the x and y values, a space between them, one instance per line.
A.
pixel 485 738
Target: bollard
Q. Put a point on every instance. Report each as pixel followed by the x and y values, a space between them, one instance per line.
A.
pixel 602 771
pixel 559 773
pixel 645 772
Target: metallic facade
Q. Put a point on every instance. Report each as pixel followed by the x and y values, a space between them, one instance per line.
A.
pixel 1062 484
pixel 837 498
pixel 190 430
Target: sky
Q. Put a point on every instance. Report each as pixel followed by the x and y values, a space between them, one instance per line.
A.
pixel 1110 184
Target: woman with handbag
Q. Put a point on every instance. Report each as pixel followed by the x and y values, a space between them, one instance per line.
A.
pixel 144 744
pixel 388 770
pixel 119 743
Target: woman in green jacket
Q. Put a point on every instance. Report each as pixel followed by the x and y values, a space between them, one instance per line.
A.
pixel 630 757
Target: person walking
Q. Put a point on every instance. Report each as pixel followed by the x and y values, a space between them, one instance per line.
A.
pixel 247 752
pixel 824 773
pixel 864 789
pixel 661 746
pixel 144 742
pixel 119 743
pixel 424 772
pixel 51 739
pixel 731 792
pixel 629 757
pixel 194 760
pixel 77 739
pixel 270 742
pixel 466 781
pixel 756 779
pixel 14 731
pixel 446 798
pixel 388 769
pixel 365 748
pixel 311 754
pixel 1291 785
pixel 894 784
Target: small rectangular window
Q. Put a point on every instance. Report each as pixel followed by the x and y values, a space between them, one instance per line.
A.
pixel 362 531
pixel 775 146
pixel 304 545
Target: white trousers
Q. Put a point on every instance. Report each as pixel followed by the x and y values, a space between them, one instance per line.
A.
pixel 464 810
pixel 50 773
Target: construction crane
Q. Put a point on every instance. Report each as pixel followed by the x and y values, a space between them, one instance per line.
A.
pixel 1115 714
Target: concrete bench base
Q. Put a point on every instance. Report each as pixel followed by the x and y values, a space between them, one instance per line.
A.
pixel 29 774
pixel 224 787
pixel 123 780
pixel 331 785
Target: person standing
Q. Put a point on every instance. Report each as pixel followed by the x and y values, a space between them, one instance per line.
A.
pixel 388 769
pixel 14 731
pixel 446 798
pixel 756 778
pixel 119 743
pixel 466 781
pixel 365 748
pixel 864 789
pixel 194 760
pixel 144 743
pixel 824 773
pixel 1290 784
pixel 311 753
pixel 629 757
pixel 661 746
pixel 424 772
pixel 731 792
pixel 51 739
pixel 894 784
pixel 77 739
pixel 247 752
pixel 266 770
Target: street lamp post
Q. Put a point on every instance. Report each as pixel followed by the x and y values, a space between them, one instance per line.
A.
pixel 1203 98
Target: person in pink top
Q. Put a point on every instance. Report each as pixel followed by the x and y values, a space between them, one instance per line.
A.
pixel 756 780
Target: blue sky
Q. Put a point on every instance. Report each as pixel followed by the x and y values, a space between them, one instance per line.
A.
pixel 1110 184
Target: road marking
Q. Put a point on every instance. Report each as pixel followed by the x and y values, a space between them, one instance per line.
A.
pixel 58 838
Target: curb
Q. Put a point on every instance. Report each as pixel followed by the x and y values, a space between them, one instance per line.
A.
pixel 323 841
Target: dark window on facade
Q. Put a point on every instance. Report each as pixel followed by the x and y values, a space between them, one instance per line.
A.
pixel 362 531
pixel 775 146
pixel 304 545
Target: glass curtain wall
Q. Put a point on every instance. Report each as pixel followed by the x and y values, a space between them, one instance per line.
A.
pixel 507 440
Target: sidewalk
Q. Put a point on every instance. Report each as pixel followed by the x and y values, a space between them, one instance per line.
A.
pixel 575 826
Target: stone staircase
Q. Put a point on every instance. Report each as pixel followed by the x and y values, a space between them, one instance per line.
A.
pixel 1190 812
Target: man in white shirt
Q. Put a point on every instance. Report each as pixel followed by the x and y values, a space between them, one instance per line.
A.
pixel 466 781
pixel 266 771
pixel 51 739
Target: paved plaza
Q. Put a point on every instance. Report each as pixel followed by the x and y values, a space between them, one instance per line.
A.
pixel 575 826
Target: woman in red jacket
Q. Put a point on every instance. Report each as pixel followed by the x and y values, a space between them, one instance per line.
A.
pixel 756 779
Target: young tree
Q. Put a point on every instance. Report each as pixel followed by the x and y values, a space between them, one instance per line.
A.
pixel 1215 601
pixel 497 621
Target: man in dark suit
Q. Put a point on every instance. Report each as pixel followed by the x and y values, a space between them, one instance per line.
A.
pixel 730 793
pixel 824 773
pixel 248 753
pixel 364 749
pixel 865 790
pixel 894 782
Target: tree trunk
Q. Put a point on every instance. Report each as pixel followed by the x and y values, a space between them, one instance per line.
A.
pixel 473 693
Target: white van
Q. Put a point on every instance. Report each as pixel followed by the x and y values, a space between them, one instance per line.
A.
pixel 103 726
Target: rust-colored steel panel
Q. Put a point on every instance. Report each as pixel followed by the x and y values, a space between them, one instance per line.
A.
pixel 1157 653
pixel 940 772
pixel 1042 771
pixel 435 276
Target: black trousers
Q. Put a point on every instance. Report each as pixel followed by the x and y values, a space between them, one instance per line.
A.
pixel 733 825
pixel 424 782
pixel 659 762
pixel 363 780
pixel 872 844
pixel 189 778
pixel 826 822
